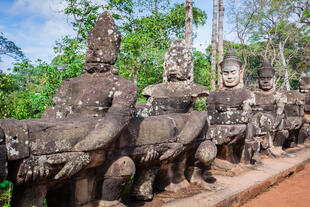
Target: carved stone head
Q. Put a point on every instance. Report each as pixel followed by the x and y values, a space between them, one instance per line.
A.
pixel 266 76
pixel 103 43
pixel 178 62
pixel 231 70
pixel 304 83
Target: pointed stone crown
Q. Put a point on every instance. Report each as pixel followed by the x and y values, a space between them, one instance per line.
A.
pixel 230 58
pixel 266 70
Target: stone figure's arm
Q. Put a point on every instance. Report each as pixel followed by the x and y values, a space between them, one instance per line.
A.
pixel 117 118
pixel 281 101
pixel 248 103
pixel 195 124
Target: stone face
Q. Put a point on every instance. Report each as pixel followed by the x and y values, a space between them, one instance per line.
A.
pixel 304 84
pixel 177 93
pixel 178 62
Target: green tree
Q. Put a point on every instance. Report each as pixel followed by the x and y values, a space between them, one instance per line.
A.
pixel 9 48
pixel 273 28
pixel 148 29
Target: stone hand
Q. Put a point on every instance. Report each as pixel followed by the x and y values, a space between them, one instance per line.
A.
pixel 37 167
pixel 74 162
pixel 150 154
pixel 33 168
pixel 174 150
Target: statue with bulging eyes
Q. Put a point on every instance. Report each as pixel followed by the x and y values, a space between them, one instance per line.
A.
pixel 229 110
pixel 269 115
pixel 297 113
pixel 177 93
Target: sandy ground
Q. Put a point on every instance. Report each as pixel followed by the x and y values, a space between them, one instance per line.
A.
pixel 292 192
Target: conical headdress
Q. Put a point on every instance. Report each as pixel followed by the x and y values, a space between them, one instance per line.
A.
pixel 230 58
pixel 266 70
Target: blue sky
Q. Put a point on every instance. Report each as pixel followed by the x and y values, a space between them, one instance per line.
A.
pixel 35 25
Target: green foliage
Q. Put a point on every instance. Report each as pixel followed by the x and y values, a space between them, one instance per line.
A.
pixel 147 39
pixel 200 104
pixel 5 193
pixel 34 88
pixel 9 48
pixel 70 57
pixel 202 68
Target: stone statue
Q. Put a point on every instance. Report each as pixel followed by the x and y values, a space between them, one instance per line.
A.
pixel 229 111
pixel 81 152
pixel 74 136
pixel 177 94
pixel 297 111
pixel 269 116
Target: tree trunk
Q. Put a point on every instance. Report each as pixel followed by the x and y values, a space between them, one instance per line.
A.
pixel 213 56
pixel 220 44
pixel 286 79
pixel 189 30
pixel 156 7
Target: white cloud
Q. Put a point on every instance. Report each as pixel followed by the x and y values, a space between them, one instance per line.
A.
pixel 41 25
pixel 42 8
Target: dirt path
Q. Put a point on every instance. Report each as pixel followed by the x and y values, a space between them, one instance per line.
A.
pixel 292 192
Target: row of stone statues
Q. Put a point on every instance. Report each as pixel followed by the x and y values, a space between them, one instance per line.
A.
pixel 87 147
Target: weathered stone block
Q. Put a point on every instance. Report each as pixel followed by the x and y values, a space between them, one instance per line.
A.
pixel 152 130
pixel 293 110
pixel 231 98
pixel 293 123
pixel 221 134
pixel 227 117
pixel 295 97
pixel 16 138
